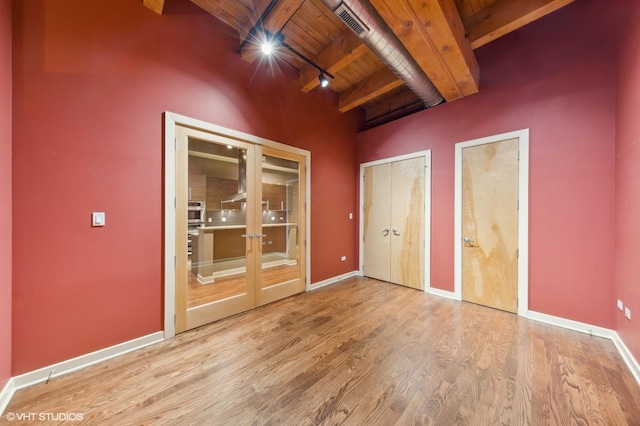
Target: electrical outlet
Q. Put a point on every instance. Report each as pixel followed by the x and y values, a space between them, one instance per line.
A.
pixel 343 258
pixel 627 313
pixel 620 305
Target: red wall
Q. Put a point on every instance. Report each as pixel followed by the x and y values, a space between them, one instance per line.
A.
pixel 628 184
pixel 5 192
pixel 557 78
pixel 91 81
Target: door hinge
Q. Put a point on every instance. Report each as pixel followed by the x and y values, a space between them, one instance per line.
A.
pixel 175 144
pixel 175 262
pixel 174 319
pixel 518 253
pixel 175 202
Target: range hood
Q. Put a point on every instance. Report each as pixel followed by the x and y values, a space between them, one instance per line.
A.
pixel 242 180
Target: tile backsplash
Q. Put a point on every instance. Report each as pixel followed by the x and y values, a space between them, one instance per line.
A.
pixel 237 217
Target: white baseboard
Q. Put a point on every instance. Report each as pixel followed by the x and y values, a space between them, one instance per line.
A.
pixel 6 395
pixel 627 356
pixel 334 280
pixel 572 325
pixel 65 367
pixel 442 293
pixel 625 353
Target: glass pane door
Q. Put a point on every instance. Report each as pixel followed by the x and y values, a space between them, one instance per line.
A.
pixel 282 223
pixel 240 226
pixel 216 273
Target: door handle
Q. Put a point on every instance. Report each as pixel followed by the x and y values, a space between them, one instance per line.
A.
pixel 468 241
pixel 395 231
pixel 249 235
pixel 259 235
pixel 385 232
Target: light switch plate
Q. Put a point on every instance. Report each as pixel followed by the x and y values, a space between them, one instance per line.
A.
pixel 620 305
pixel 627 313
pixel 98 219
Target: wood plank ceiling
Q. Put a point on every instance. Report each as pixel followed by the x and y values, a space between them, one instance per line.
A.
pixel 439 35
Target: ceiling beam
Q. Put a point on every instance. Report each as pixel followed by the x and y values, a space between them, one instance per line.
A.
pixel 505 16
pixel 258 9
pixel 155 5
pixel 403 98
pixel 277 18
pixel 343 50
pixel 379 83
pixel 220 10
pixel 432 32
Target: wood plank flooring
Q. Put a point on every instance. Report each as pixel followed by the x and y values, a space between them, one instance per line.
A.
pixel 360 352
pixel 200 294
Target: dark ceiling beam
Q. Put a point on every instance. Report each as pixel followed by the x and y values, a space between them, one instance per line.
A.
pixel 379 83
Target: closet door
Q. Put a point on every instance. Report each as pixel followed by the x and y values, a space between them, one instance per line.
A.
pixel 394 221
pixel 407 222
pixel 490 193
pixel 377 219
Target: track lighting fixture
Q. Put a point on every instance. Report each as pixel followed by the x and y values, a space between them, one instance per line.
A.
pixel 323 80
pixel 269 42
pixel 267 48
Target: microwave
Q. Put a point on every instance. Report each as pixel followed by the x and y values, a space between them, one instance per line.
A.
pixel 195 212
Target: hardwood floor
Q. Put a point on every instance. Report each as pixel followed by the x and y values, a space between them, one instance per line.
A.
pixel 199 294
pixel 358 352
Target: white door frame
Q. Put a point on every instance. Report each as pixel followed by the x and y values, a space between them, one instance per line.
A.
pixel 171 120
pixel 427 210
pixel 523 214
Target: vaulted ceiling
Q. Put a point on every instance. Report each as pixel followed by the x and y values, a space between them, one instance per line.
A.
pixel 438 35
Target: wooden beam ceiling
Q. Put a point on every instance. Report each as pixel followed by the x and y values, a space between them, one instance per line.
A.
pixel 281 13
pixel 233 13
pixel 432 32
pixel 440 36
pixel 379 83
pixel 342 51
pixel 395 101
pixel 505 16
pixel 155 5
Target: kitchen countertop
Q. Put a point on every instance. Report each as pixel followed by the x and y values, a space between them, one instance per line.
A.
pixel 223 227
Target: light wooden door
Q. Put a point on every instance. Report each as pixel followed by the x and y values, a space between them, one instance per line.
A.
pixel 490 224
pixel 280 239
pixel 247 251
pixel 377 222
pixel 214 279
pixel 407 222
pixel 394 220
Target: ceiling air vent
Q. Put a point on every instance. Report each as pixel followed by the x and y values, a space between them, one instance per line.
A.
pixel 352 21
